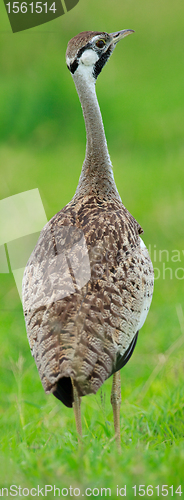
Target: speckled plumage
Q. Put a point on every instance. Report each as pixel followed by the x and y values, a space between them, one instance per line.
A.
pixel 83 334
pixel 88 284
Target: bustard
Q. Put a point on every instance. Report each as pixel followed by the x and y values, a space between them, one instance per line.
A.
pixel 88 284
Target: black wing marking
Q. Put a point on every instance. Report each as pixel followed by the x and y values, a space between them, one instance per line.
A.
pixel 122 360
pixel 64 391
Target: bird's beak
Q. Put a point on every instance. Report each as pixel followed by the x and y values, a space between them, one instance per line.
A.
pixel 118 35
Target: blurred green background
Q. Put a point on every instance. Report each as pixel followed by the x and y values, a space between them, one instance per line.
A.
pixel 42 145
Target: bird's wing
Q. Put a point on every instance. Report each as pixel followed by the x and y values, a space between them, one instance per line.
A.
pixel 84 301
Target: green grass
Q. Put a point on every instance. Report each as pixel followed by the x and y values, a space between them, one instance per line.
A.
pixel 42 144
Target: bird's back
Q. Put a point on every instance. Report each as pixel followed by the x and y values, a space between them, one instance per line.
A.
pixel 87 289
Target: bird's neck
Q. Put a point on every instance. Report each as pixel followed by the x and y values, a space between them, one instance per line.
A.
pixel 97 175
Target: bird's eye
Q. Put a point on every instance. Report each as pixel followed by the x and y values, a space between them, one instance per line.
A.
pixel 100 44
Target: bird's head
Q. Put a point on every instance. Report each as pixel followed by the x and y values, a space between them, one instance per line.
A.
pixel 89 51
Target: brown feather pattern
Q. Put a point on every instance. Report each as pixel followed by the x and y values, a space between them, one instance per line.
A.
pixel 80 333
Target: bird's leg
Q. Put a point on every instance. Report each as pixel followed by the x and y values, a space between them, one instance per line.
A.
pixel 77 410
pixel 116 403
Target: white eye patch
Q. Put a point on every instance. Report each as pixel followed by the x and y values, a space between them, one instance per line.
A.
pixel 89 57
